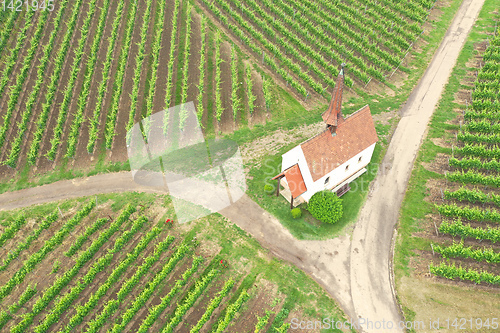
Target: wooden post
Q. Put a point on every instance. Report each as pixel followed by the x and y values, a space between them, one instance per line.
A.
pixel 278 188
pixel 436 228
pixel 291 202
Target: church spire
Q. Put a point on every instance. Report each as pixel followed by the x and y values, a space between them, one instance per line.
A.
pixel 334 113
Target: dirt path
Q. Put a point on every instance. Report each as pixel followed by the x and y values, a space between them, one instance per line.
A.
pixel 371 264
pixel 358 272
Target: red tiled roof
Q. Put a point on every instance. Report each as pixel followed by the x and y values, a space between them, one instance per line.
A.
pixel 295 180
pixel 334 112
pixel 325 152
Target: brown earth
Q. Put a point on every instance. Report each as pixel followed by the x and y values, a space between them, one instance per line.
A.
pixel 260 114
pixel 43 164
pixel 11 39
pixel 194 60
pixel 82 160
pixel 20 56
pixel 28 83
pixel 73 106
pixel 227 124
pixel 118 152
pixel 41 95
pixel 228 34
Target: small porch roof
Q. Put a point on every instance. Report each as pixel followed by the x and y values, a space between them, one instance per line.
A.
pixel 294 179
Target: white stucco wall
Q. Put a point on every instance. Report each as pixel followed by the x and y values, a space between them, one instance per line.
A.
pixel 292 157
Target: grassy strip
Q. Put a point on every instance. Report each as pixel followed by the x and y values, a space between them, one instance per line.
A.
pixel 414 206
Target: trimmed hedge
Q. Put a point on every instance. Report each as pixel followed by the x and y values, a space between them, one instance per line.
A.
pixel 325 206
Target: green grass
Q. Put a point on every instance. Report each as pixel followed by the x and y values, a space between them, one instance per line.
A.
pixel 62 172
pixel 181 46
pixel 291 281
pixel 241 116
pixel 248 262
pixel 307 227
pixel 414 207
pixel 286 113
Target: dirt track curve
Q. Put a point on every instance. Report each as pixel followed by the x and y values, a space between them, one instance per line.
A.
pixel 371 286
pixel 356 272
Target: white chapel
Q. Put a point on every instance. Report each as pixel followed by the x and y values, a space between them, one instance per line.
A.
pixel 333 158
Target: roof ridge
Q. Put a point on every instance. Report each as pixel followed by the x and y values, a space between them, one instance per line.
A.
pixel 314 137
pixel 354 114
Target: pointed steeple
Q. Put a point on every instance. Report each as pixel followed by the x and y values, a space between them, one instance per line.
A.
pixel 333 115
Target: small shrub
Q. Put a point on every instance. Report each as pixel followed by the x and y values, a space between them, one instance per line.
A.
pixel 325 206
pixel 268 188
pixel 296 212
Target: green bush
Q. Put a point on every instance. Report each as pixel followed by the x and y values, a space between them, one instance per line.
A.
pixel 325 206
pixel 296 212
pixel 268 188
